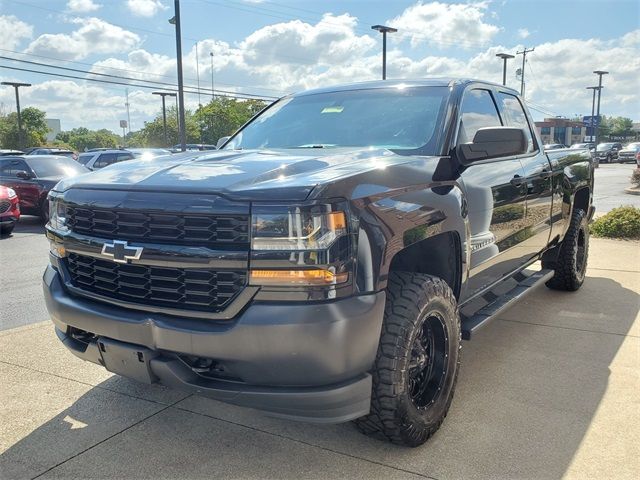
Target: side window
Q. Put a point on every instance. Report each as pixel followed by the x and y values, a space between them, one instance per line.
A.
pixel 515 117
pixel 124 156
pixel 477 111
pixel 104 160
pixel 9 168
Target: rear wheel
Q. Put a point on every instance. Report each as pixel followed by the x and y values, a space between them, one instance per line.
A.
pixel 417 364
pixel 571 264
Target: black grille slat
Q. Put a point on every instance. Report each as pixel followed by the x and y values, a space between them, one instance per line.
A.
pixel 180 288
pixel 161 227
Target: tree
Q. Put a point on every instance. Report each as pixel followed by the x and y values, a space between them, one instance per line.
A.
pixel 34 128
pixel 224 115
pixel 152 134
pixel 81 139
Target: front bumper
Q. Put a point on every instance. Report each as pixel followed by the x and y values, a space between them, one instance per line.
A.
pixel 301 361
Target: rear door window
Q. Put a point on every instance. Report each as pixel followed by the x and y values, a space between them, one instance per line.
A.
pixel 104 160
pixel 514 116
pixel 124 156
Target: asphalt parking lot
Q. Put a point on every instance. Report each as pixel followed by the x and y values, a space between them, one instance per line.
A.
pixel 549 390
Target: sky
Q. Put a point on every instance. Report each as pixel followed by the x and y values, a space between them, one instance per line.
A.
pixel 274 47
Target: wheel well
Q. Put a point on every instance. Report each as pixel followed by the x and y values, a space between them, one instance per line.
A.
pixel 440 255
pixel 581 199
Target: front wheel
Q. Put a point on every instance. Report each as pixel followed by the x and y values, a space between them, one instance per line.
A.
pixel 418 359
pixel 571 264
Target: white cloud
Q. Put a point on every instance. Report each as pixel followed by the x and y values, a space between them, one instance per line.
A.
pixel 444 24
pixel 523 33
pixel 292 56
pixel 94 36
pixel 13 31
pixel 145 8
pixel 82 6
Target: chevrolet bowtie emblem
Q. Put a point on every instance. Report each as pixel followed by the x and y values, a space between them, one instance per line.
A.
pixel 121 252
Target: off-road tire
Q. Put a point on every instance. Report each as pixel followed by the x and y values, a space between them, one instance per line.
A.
pixel 571 264
pixel 412 299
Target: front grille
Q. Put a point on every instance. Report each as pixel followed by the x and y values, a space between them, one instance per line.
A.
pixel 166 228
pixel 178 288
pixel 5 205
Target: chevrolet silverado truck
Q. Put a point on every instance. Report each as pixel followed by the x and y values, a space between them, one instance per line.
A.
pixel 326 263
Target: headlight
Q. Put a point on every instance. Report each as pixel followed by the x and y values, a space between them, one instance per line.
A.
pixel 57 215
pixel 300 245
pixel 12 193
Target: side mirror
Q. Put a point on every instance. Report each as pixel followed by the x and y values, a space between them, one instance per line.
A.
pixel 24 175
pixel 222 140
pixel 493 142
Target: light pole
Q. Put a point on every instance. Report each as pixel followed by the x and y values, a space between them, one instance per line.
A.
pixel 384 30
pixel 524 57
pixel 504 57
pixel 593 108
pixel 600 73
pixel 213 92
pixel 16 86
pixel 164 113
pixel 182 127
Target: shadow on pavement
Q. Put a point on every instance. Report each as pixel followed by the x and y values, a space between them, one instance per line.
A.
pixel 527 396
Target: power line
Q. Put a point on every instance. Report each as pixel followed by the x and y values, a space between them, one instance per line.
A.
pixel 93 65
pixel 119 77
pixel 152 87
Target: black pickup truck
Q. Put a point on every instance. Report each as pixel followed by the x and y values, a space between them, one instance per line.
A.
pixel 326 263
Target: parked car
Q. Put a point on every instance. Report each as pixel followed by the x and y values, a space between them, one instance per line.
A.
pixel 33 176
pixel 148 153
pixel 608 152
pixel 588 146
pixel 325 264
pixel 4 153
pixel 629 153
pixel 103 158
pixel 52 151
pixel 9 209
pixel 193 146
pixel 554 146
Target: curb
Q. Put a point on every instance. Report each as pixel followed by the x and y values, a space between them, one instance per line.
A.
pixel 632 190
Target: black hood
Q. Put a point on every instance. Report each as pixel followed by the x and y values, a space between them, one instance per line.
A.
pixel 272 175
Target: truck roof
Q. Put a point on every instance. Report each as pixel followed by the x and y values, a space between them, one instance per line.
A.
pixel 425 82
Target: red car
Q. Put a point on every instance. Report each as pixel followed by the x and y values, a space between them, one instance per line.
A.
pixel 9 209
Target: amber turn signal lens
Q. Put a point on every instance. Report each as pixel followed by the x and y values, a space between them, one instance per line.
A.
pixel 336 221
pixel 297 277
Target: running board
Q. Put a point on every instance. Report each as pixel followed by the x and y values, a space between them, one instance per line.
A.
pixel 499 303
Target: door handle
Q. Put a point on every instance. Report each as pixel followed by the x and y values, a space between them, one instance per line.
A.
pixel 545 174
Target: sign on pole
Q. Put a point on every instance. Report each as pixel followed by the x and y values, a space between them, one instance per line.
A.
pixel 123 124
pixel 590 121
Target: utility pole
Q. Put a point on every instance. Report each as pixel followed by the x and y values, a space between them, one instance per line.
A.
pixel 384 30
pixel 16 86
pixel 198 74
pixel 504 57
pixel 176 21
pixel 164 113
pixel 213 92
pixel 524 56
pixel 600 73
pixel 126 92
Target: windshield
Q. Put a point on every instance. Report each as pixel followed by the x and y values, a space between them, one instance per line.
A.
pixel 605 146
pixel 55 167
pixel 402 119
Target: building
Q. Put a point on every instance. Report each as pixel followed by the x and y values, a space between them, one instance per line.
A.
pixel 54 128
pixel 561 130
